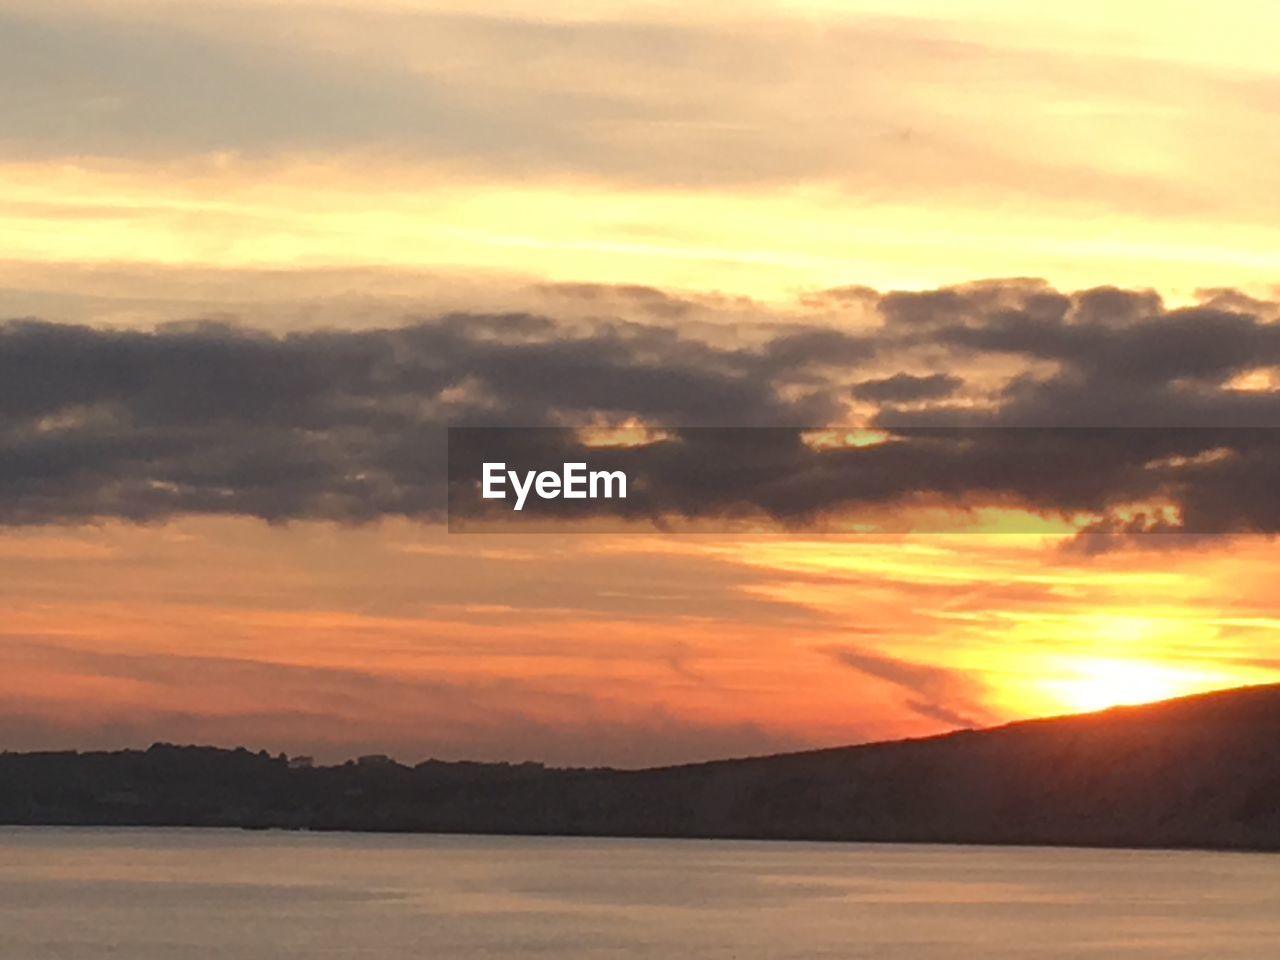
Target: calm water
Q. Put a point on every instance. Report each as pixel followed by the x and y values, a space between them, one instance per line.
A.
pixel 85 894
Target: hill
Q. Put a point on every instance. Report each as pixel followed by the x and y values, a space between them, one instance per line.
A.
pixel 1194 772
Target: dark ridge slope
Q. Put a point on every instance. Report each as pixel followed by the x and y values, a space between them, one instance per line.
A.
pixel 1199 771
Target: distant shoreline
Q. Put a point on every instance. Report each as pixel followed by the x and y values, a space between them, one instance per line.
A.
pixel 1198 773
pixel 780 841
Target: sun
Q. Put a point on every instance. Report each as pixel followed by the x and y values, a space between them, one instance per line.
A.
pixel 1084 686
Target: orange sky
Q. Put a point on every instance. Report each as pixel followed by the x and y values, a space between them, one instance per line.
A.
pixel 297 166
pixel 628 649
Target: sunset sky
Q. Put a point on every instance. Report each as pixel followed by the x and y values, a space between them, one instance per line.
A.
pixel 254 256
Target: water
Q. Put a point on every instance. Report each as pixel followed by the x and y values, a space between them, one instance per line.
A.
pixel 91 894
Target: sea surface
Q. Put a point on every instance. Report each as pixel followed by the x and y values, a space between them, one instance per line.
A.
pixel 92 894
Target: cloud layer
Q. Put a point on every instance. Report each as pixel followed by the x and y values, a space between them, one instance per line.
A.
pixel 347 425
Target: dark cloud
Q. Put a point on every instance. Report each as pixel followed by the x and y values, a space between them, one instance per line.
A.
pixel 349 424
pixel 212 418
pixel 906 388
pixel 1115 306
pixel 1198 344
pixel 946 696
pixel 975 303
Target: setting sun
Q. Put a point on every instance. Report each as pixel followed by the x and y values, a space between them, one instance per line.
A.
pixel 1089 685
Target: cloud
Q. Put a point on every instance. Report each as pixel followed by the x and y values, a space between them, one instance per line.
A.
pixel 946 696
pixel 348 425
pixel 681 102
pixel 906 388
pixel 213 418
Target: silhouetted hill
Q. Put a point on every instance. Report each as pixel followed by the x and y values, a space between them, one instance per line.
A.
pixel 1200 771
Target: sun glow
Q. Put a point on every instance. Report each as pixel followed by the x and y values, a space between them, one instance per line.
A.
pixel 1088 685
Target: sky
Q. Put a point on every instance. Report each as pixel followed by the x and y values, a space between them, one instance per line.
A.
pixel 255 256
